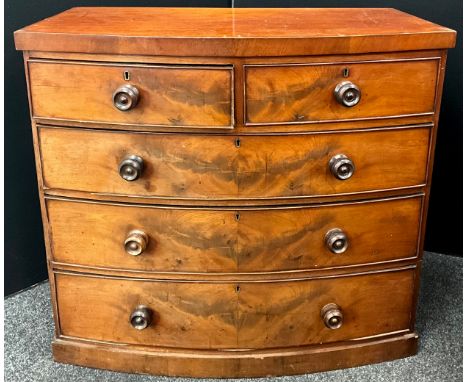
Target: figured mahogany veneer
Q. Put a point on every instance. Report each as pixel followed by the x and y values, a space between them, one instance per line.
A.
pixel 234 192
pixel 169 95
pixel 216 167
pixel 304 93
pixel 237 316
pixel 227 240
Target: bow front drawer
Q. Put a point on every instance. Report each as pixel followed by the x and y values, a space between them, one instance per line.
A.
pixel 232 315
pixel 173 96
pixel 226 167
pixel 217 240
pixel 333 92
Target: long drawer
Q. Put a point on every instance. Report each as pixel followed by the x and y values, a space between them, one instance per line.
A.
pixel 229 167
pixel 155 239
pixel 248 315
pixel 163 95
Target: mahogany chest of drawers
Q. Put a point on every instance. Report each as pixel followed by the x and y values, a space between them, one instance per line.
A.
pixel 234 192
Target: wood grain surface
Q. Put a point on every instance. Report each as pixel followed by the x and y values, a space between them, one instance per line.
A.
pixel 197 166
pixel 223 241
pixel 236 269
pixel 304 93
pixel 233 32
pixel 228 364
pixel 169 95
pixel 238 65
pixel 229 315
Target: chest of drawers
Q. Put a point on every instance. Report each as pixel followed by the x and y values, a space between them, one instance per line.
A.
pixel 234 192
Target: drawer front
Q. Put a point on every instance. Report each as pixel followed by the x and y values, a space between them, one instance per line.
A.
pixel 305 93
pixel 167 95
pixel 215 167
pixel 203 240
pixel 229 315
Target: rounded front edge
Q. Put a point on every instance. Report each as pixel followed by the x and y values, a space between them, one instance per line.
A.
pixel 234 364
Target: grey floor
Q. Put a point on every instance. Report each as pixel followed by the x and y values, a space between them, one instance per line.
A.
pixel 29 329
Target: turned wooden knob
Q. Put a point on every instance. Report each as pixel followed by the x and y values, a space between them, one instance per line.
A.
pixel 341 167
pixel 347 94
pixel 332 316
pixel 126 97
pixel 131 167
pixel 336 240
pixel 136 242
pixel 141 317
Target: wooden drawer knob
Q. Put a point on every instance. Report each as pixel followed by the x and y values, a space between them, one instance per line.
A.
pixel 141 317
pixel 126 97
pixel 336 240
pixel 347 94
pixel 136 242
pixel 341 167
pixel 131 167
pixel 332 316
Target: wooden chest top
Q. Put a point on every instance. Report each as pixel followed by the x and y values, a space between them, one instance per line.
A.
pixel 233 32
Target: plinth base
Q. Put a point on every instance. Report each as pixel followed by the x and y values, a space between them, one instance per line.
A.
pixel 233 364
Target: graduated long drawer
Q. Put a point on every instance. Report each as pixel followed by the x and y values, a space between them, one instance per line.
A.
pixel 229 167
pixel 222 240
pixel 234 315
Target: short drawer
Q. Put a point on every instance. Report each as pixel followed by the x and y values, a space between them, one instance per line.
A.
pixel 227 167
pixel 174 96
pixel 304 93
pixel 245 315
pixel 159 239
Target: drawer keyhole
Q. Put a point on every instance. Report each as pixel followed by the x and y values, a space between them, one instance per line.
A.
pixel 126 75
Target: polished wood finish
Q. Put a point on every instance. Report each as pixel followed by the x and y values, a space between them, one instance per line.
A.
pixel 226 234
pixel 191 166
pixel 244 315
pixel 169 95
pixel 304 93
pixel 233 32
pixel 243 240
pixel 239 64
pixel 304 359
